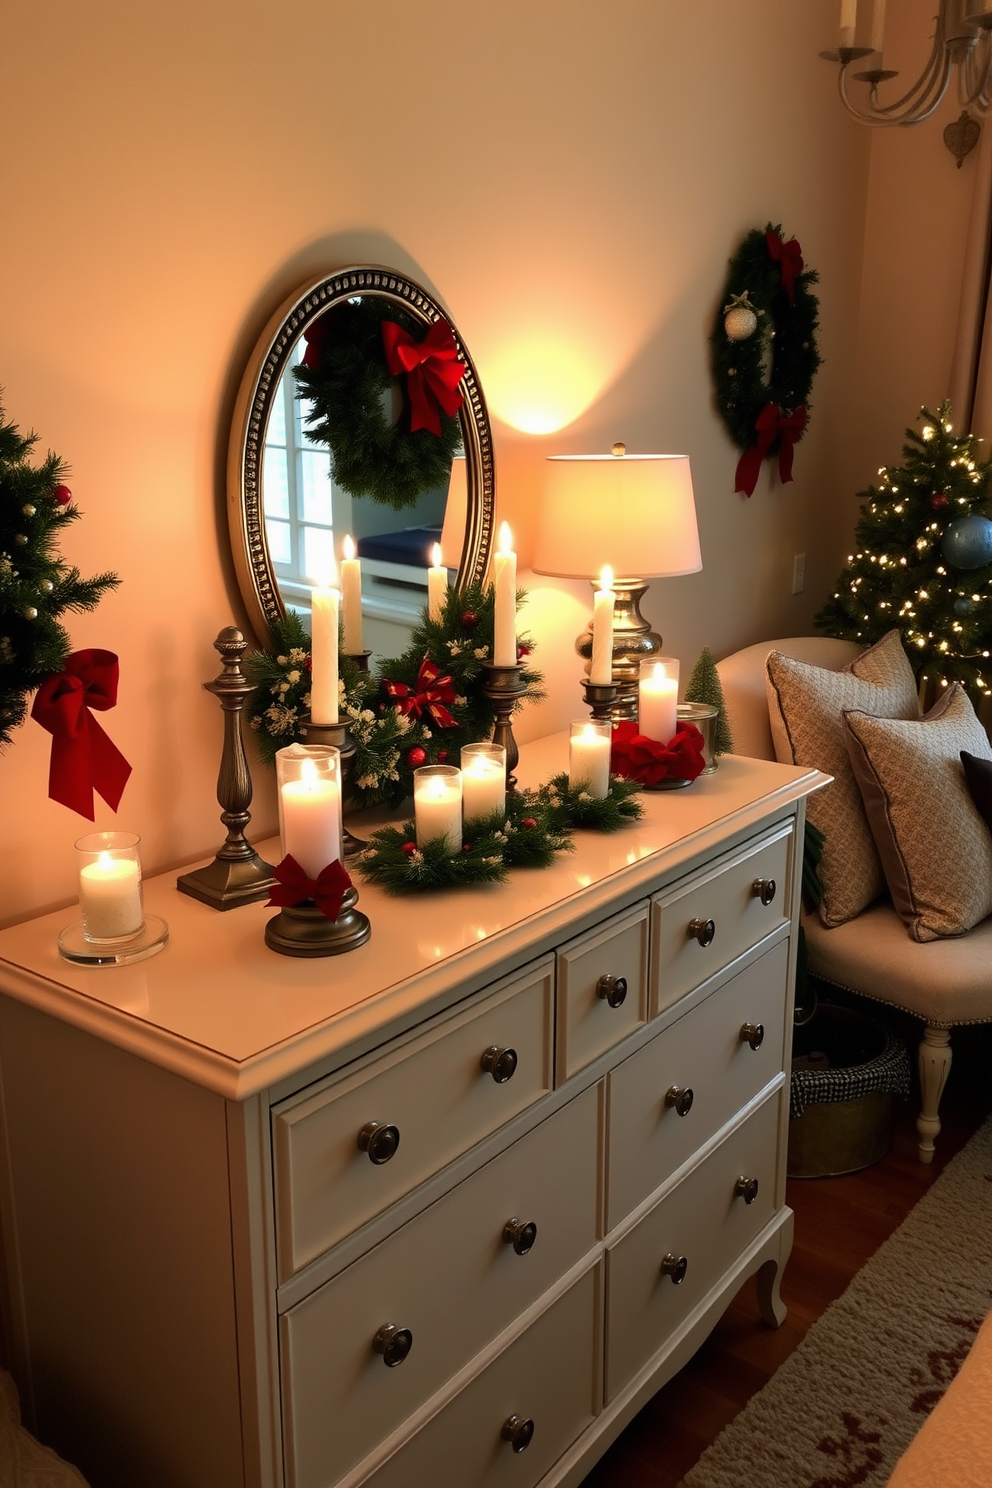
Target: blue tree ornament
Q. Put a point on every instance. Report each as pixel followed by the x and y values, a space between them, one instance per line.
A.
pixel 967 543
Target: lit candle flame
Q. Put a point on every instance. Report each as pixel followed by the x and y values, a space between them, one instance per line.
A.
pixel 505 538
pixel 436 556
pixel 606 577
pixel 348 547
pixel 308 773
pixel 105 862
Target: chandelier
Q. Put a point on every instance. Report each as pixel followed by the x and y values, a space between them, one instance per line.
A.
pixel 962 39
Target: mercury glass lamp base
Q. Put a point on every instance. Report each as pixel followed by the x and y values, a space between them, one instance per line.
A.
pixel 148 941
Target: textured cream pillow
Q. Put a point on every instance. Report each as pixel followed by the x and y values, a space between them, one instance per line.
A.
pixel 934 846
pixel 805 704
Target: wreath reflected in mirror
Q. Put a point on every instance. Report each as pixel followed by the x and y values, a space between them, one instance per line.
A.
pixel 384 397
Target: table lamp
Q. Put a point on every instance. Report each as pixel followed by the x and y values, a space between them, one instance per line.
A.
pixel 634 512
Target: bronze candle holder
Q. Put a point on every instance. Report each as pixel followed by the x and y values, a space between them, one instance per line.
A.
pixel 304 930
pixel 600 698
pixel 503 687
pixel 339 737
pixel 360 658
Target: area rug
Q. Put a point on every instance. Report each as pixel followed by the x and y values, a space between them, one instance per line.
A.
pixel 843 1407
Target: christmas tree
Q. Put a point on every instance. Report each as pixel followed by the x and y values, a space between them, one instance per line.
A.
pixel 36 586
pixel 923 559
pixel 704 686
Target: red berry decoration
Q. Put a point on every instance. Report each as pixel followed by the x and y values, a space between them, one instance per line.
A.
pixel 466 847
pixel 939 500
pixel 416 757
pixel 62 495
pixel 522 651
pixel 409 848
pixel 469 619
pixel 442 756
pixel 528 822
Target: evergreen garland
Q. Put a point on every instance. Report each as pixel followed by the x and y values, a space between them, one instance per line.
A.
pixel 704 686
pixel 349 387
pixel 570 806
pixel 742 387
pixel 899 578
pixel 36 586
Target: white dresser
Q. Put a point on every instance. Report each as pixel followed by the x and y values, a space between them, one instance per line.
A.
pixel 440 1213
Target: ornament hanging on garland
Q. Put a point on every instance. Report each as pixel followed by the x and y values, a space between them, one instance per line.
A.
pixel 359 355
pixel 765 413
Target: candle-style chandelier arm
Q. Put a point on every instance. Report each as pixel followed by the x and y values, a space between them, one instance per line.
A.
pixel 976 72
pixel 917 103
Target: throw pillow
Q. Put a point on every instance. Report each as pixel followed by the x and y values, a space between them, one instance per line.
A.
pixel 805 704
pixel 935 848
pixel 978 775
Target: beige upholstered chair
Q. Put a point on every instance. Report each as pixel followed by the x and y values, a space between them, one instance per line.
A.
pixel 944 982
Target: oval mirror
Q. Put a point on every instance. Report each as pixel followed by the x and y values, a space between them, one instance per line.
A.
pixel 288 514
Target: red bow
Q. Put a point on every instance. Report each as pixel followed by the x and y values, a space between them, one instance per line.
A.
pixel 84 758
pixel 636 757
pixel 771 423
pixel 432 369
pixel 315 334
pixel 430 692
pixel 327 890
pixel 789 257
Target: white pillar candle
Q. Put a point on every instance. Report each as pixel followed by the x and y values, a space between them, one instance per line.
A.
pixel 110 897
pixel 657 699
pixel 505 585
pixel 601 666
pixel 483 780
pixel 589 757
pixel 437 805
pixel 324 607
pixel 310 811
pixel 351 600
pixel 437 585
pixel 878 26
pixel 848 22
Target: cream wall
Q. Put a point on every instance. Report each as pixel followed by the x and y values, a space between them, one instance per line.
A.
pixel 569 176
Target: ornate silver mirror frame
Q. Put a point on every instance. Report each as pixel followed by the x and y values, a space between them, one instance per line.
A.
pixel 246 516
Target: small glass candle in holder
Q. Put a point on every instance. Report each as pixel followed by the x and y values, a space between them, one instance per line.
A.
pixel 702 716
pixel 309 784
pixel 437 804
pixel 110 886
pixel 589 743
pixel 657 698
pixel 483 780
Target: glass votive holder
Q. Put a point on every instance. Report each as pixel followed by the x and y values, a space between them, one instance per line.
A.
pixel 437 804
pixel 110 886
pixel 657 697
pixel 308 778
pixel 483 780
pixel 589 744
pixel 704 717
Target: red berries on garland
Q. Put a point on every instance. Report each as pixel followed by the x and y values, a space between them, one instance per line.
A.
pixel 939 500
pixel 528 822
pixel 416 757
pixel 409 848
pixel 62 495
pixel 469 619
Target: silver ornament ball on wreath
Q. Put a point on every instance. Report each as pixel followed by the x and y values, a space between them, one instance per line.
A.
pixel 967 543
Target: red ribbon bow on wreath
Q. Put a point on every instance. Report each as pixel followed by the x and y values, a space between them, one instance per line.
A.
pixel 432 369
pixel 327 890
pixel 770 424
pixel 636 757
pixel 84 758
pixel 429 694
pixel 789 257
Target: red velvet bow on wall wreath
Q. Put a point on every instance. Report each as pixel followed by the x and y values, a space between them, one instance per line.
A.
pixel 766 302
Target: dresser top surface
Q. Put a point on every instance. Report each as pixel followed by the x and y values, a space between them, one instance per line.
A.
pixel 220 1008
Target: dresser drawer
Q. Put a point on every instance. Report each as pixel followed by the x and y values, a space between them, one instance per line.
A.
pixel 703 1052
pixel 548 1377
pixel 433 1090
pixel 705 1221
pixel 450 1279
pixel 704 923
pixel 602 989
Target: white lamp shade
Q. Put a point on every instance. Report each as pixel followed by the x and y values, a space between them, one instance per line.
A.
pixel 455 514
pixel 634 512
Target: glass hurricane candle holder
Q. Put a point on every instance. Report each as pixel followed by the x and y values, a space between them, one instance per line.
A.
pixel 657 698
pixel 589 745
pixel 110 885
pixel 437 804
pixel 309 783
pixel 483 780
pixel 702 716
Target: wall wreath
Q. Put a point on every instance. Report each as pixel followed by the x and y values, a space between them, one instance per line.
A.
pixel 357 354
pixel 767 306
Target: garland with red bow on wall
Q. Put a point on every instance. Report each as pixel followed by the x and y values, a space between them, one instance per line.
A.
pixel 358 354
pixel 767 304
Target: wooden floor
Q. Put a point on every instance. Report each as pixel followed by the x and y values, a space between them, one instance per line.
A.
pixel 840 1222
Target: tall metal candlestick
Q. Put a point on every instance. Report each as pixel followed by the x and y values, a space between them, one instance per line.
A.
pixel 338 735
pixel 503 687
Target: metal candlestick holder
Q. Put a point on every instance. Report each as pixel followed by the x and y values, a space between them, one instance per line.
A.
pixel 339 736
pixel 237 874
pixel 360 658
pixel 600 698
pixel 304 930
pixel 633 641
pixel 503 687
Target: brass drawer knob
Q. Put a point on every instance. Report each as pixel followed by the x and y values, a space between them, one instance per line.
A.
pixel 393 1344
pixel 701 930
pixel 753 1034
pixel 500 1063
pixel 521 1234
pixel 675 1267
pixel 519 1432
pixel 764 889
pixel 681 1098
pixel 613 989
pixel 746 1189
pixel 379 1141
